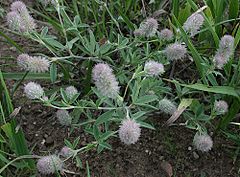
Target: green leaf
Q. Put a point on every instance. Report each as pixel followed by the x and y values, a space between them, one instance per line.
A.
pixel 30 76
pixel 146 125
pixel 233 9
pixel 138 114
pixel 146 99
pixel 105 145
pixel 226 90
pixel 184 13
pixel 53 72
pixel 104 117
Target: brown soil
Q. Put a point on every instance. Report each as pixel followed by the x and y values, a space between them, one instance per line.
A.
pixel 171 144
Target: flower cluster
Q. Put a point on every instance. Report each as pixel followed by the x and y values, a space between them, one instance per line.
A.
pixel 33 90
pixel 224 52
pixel 63 117
pixel 221 107
pixel 49 164
pixel 193 23
pixel 153 68
pixel 147 28
pixel 166 34
pixel 129 131
pixel 66 152
pixel 175 51
pixel 71 91
pixel 203 142
pixel 105 80
pixel 36 64
pixel 167 106
pixel 19 18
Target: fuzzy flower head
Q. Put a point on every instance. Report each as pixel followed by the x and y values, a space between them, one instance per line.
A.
pixel 193 23
pixel 226 45
pixel 138 33
pixel 149 27
pixel 221 107
pixel 14 21
pixel 203 142
pixel 19 6
pixel 22 61
pixel 167 106
pixel 49 164
pixel 36 64
pixel 166 34
pixel 63 117
pixel 224 52
pixel 33 90
pixel 219 60
pixel 129 131
pixel 105 80
pixel 66 152
pixel 23 21
pixel 153 68
pixel 71 91
pixel 175 51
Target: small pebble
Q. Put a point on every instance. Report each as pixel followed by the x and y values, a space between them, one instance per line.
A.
pixel 195 155
pixel 49 141
pixel 189 148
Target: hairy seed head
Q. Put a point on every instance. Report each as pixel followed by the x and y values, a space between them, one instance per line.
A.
pixel 221 107
pixel 149 27
pixel 105 80
pixel 138 33
pixel 33 90
pixel 166 34
pixel 167 106
pixel 219 60
pixel 71 91
pixel 23 22
pixel 63 117
pixel 19 6
pixel 66 152
pixel 22 61
pixel 203 142
pixel 175 51
pixel 129 131
pixel 14 21
pixel 37 64
pixel 226 46
pixel 49 164
pixel 193 23
pixel 153 68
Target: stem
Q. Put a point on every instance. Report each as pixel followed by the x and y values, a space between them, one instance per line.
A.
pixel 78 107
pixel 125 92
pixel 19 83
pixel 19 158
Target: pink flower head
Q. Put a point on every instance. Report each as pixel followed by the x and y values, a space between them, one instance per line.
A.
pixel 203 142
pixel 153 68
pixel 105 80
pixel 175 51
pixel 49 164
pixel 129 131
